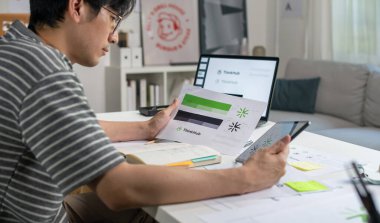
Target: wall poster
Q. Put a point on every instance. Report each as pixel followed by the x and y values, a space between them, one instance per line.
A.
pixel 223 26
pixel 170 31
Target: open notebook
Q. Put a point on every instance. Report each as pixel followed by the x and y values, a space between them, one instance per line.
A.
pixel 169 154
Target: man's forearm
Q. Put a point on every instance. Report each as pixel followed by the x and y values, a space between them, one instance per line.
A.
pixel 128 185
pixel 126 131
pixel 140 185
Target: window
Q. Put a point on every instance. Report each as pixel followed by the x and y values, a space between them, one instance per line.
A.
pixel 356 31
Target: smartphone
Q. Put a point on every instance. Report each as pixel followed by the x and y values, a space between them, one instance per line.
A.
pixel 274 134
pixel 151 110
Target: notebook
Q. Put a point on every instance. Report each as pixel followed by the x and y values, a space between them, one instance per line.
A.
pixel 242 76
pixel 170 154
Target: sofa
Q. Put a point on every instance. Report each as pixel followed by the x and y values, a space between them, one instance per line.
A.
pixel 347 100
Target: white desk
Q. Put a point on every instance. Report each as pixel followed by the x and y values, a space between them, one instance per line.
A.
pixel 191 212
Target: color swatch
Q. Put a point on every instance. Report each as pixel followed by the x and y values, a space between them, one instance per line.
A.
pixel 198 119
pixel 206 104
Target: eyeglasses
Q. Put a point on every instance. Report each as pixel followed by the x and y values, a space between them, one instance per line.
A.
pixel 116 18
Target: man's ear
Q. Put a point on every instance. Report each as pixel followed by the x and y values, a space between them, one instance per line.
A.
pixel 75 9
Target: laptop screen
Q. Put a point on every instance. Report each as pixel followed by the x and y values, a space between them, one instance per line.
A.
pixel 243 76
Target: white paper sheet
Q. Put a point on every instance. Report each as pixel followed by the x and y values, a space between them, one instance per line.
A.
pixel 330 164
pixel 338 206
pixel 220 121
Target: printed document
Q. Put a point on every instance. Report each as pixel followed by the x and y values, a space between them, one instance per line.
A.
pixel 220 121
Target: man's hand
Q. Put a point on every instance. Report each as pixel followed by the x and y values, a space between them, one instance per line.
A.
pixel 159 121
pixel 267 165
pixel 126 131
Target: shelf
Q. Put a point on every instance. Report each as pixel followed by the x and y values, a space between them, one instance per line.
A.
pixel 168 78
pixel 157 69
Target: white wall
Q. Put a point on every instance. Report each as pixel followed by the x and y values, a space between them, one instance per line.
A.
pixel 261 17
pixel 281 36
pixel 14 6
pixel 291 33
pixel 93 80
pixel 4 6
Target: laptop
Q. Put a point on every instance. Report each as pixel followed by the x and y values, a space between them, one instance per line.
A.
pixel 249 77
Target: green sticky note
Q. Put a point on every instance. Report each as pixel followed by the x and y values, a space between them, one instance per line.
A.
pixel 306 186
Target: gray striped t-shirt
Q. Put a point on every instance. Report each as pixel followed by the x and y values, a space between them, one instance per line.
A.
pixel 50 140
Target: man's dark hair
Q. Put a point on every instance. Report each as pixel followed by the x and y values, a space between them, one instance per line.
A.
pixel 48 12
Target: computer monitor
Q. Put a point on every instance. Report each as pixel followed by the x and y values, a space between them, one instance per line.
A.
pixel 243 76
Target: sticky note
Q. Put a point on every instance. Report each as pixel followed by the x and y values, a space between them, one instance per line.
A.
pixel 305 166
pixel 306 186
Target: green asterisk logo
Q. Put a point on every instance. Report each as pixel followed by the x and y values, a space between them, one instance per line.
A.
pixel 267 142
pixel 361 216
pixel 242 112
pixel 179 129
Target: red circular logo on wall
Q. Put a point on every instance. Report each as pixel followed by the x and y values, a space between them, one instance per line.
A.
pixel 168 26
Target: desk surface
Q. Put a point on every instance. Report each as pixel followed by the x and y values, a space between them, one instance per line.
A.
pixel 202 210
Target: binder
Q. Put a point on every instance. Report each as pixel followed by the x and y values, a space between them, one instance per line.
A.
pixel 120 56
pixel 125 57
pixel 137 57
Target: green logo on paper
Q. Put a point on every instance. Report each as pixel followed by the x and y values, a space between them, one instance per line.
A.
pixel 360 216
pixel 179 129
pixel 242 113
pixel 267 142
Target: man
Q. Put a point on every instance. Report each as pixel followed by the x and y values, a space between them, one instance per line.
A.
pixel 51 142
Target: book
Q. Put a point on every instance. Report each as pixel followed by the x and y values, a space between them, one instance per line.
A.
pixel 151 95
pixel 171 154
pixel 156 94
pixel 134 90
pixel 143 93
pixel 131 95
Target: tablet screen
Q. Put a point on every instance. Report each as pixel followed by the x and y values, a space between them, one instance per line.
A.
pixel 274 134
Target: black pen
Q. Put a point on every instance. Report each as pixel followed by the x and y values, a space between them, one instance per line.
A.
pixel 365 196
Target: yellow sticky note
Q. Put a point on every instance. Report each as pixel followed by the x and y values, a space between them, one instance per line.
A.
pixel 305 166
pixel 306 186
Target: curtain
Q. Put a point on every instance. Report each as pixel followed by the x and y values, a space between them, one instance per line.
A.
pixel 318 36
pixel 356 31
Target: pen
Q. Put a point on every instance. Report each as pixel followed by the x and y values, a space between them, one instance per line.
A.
pixel 156 141
pixel 150 142
pixel 181 164
pixel 365 196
